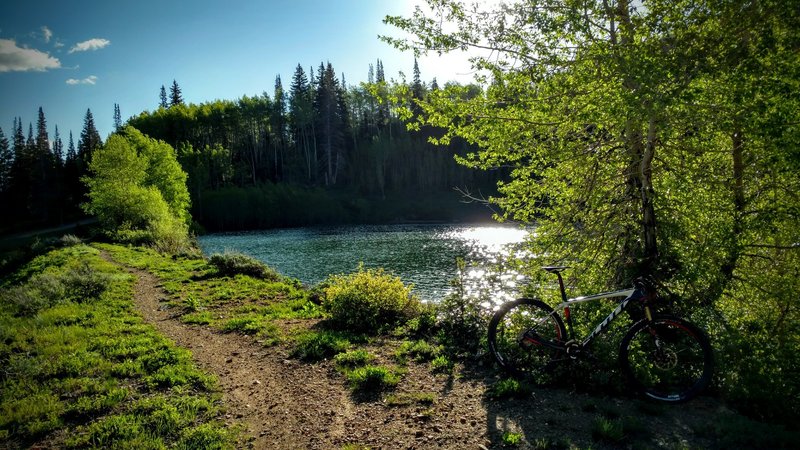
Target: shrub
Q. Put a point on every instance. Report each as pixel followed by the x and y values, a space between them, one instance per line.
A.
pixel 230 264
pixel 40 292
pixel 369 301
pixel 84 282
pixel 68 240
pixel 462 316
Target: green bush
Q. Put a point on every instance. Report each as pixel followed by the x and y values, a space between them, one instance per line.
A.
pixel 461 317
pixel 230 264
pixel 369 301
pixel 68 240
pixel 84 282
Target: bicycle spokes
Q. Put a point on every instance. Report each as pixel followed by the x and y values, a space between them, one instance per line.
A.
pixel 668 359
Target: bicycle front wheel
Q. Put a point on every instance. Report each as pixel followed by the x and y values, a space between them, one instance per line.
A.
pixel 522 334
pixel 668 359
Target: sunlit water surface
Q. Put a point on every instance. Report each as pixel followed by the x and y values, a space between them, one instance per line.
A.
pixel 423 255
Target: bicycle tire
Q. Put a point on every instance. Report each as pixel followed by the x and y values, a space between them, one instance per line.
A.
pixel 667 359
pixel 515 319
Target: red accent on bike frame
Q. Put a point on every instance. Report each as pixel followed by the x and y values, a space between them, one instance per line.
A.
pixel 566 312
pixel 676 325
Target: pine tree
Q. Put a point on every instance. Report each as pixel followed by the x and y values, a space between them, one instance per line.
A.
pixel 117 117
pixel 89 141
pixel 279 127
pixel 300 120
pixel 383 106
pixel 329 120
pixel 72 183
pixel 18 139
pixel 6 162
pixel 71 154
pixel 58 149
pixel 163 98
pixel 30 142
pixel 175 97
pixel 42 140
pixel 417 91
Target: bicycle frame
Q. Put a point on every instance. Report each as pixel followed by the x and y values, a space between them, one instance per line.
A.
pixel 601 327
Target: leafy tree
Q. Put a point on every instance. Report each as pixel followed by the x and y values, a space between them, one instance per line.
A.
pixel 655 137
pixel 138 191
pixel 175 97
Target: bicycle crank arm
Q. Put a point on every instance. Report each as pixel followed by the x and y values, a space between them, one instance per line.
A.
pixel 531 338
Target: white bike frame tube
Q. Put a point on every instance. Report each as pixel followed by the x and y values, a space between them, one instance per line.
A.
pixel 589 298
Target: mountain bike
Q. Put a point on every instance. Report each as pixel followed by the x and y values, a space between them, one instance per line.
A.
pixel 664 357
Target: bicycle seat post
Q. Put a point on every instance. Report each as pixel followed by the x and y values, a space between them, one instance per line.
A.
pixel 557 271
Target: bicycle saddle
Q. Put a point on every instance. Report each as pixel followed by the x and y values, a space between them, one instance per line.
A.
pixel 555 269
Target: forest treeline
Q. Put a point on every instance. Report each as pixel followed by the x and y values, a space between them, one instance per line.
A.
pixel 39 177
pixel 318 152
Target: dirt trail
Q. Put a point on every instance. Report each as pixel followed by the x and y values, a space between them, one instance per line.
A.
pixel 288 404
pixel 282 402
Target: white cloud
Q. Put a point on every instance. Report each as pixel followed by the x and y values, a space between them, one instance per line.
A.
pixel 91 79
pixel 91 44
pixel 58 44
pixel 46 33
pixel 18 59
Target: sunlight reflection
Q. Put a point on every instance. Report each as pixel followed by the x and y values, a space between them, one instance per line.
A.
pixel 493 237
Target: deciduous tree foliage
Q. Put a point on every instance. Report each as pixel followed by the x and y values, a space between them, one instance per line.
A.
pixel 655 137
pixel 137 190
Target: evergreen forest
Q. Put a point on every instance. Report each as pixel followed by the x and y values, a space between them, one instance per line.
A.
pixel 316 152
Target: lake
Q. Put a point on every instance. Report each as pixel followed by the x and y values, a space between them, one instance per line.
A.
pixel 424 255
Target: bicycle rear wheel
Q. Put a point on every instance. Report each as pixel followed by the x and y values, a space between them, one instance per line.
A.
pixel 668 359
pixel 519 334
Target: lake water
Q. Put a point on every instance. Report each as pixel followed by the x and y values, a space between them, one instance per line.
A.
pixel 424 255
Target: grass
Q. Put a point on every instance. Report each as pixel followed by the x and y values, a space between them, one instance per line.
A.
pixel 508 388
pixel 407 399
pixel 420 351
pixel 512 439
pixel 370 379
pixel 232 293
pixel 608 430
pixel 319 345
pixel 353 359
pixel 85 362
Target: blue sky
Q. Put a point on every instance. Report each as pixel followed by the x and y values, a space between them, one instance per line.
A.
pixel 70 56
